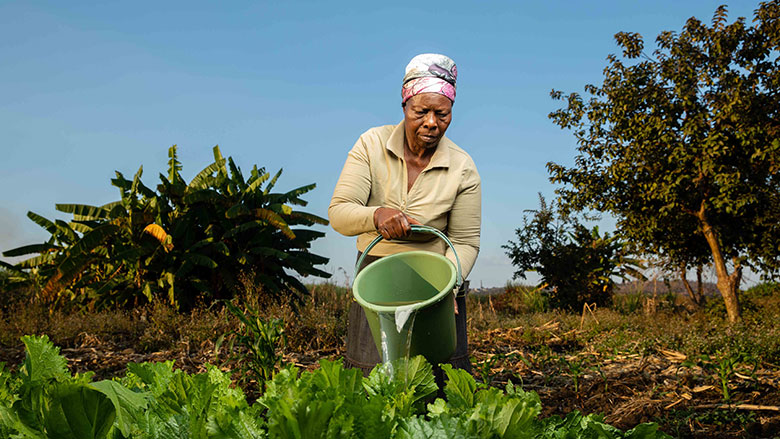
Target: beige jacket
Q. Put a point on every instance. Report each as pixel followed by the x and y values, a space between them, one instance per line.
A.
pixel 446 195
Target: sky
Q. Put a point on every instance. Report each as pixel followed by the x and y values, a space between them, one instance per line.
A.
pixel 90 88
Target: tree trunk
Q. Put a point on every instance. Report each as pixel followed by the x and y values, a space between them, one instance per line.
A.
pixel 728 284
pixel 695 297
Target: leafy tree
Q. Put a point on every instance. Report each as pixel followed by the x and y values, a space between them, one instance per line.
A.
pixel 185 242
pixel 576 263
pixel 683 148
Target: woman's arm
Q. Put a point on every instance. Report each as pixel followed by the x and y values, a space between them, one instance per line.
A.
pixel 348 212
pixel 465 218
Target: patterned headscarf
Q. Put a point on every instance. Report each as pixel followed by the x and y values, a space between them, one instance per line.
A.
pixel 430 73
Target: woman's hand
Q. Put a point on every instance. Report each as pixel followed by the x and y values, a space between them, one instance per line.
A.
pixel 392 223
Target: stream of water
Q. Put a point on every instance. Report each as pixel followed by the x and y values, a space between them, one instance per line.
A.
pixel 396 333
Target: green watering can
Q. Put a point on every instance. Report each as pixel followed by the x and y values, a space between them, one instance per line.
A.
pixel 410 291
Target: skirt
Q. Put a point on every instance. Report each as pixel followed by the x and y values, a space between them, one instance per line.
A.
pixel 361 350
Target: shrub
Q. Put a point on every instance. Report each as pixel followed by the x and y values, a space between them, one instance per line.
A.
pixel 183 243
pixel 629 303
pixel 520 298
pixel 765 289
pixel 577 263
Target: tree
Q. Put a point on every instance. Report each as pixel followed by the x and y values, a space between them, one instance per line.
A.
pixel 684 148
pixel 576 264
pixel 183 243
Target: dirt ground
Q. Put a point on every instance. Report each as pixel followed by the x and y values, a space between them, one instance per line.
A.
pixel 630 389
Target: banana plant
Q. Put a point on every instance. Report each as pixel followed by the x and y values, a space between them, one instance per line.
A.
pixel 183 243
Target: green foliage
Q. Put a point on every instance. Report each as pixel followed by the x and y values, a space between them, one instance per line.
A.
pixel 156 401
pixel 576 425
pixel 520 298
pixel 683 147
pixel 575 368
pixel 723 365
pixel 629 303
pixel 183 243
pixel 576 264
pixel 259 342
pixel 406 384
pixel 762 290
pixel 748 308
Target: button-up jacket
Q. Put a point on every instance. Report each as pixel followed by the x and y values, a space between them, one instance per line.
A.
pixel 446 195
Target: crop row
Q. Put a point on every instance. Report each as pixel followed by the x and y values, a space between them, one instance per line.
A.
pixel 154 400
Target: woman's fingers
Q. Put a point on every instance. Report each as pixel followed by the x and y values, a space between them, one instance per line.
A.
pixel 392 223
pixel 406 228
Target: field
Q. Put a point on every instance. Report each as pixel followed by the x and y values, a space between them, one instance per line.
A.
pixel 644 359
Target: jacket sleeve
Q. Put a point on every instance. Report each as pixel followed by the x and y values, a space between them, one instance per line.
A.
pixel 348 212
pixel 465 218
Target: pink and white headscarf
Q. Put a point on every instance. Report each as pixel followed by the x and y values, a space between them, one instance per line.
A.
pixel 430 73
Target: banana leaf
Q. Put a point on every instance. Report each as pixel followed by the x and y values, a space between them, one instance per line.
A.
pixel 43 222
pixel 37 261
pixel 309 217
pixel 201 260
pixel 235 172
pixel 30 249
pixel 272 183
pixel 255 184
pixel 243 227
pixel 275 220
pixel 85 211
pixel 200 180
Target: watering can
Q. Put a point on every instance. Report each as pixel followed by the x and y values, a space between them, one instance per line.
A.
pixel 408 299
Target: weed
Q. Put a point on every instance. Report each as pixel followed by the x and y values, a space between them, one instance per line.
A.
pixel 722 365
pixel 574 368
pixel 259 341
pixel 485 368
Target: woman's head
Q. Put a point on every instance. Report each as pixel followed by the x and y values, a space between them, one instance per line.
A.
pixel 429 73
pixel 427 95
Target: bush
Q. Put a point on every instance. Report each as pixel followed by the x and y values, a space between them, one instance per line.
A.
pixel 183 243
pixel 630 303
pixel 576 263
pixel 520 298
pixel 765 289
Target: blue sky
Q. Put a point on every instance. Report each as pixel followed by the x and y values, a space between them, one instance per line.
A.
pixel 87 89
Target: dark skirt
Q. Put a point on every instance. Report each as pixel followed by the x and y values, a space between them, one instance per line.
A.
pixel 361 349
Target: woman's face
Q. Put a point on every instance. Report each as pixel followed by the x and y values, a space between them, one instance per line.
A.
pixel 426 118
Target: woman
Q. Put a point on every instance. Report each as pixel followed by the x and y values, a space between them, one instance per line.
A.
pixel 399 175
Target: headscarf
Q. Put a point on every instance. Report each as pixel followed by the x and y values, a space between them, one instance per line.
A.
pixel 430 73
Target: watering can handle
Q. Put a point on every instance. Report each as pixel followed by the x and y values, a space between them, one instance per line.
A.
pixel 417 228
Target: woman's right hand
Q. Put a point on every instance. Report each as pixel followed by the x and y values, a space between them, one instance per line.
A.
pixel 392 223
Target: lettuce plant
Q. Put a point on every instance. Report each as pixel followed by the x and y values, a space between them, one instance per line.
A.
pixel 154 400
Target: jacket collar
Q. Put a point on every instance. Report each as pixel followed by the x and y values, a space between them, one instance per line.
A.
pixel 440 159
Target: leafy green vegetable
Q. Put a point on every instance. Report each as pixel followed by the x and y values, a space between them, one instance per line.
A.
pixel 42 360
pixel 156 401
pixel 128 405
pixel 406 384
pixel 76 411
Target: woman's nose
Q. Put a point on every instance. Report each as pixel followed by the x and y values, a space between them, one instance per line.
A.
pixel 429 120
